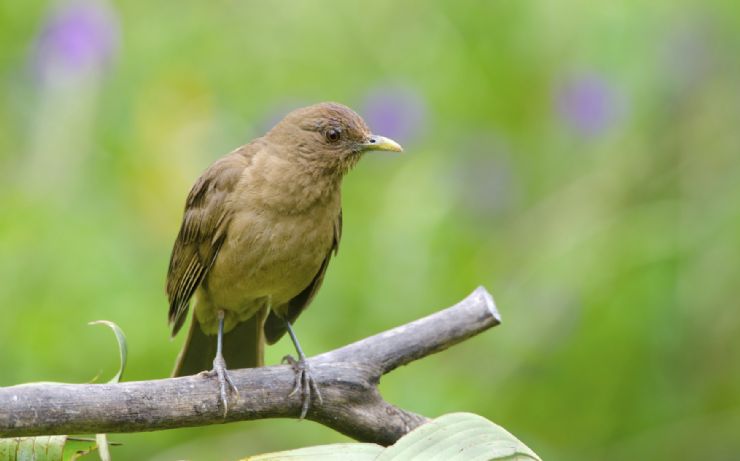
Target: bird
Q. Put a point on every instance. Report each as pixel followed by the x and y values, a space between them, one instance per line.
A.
pixel 258 231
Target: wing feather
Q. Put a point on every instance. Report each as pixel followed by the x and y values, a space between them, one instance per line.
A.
pixel 201 234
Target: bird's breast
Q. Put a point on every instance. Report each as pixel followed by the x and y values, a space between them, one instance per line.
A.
pixel 269 255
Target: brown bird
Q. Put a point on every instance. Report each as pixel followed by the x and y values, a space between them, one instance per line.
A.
pixel 259 228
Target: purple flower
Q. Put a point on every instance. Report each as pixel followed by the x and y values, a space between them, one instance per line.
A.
pixel 398 112
pixel 76 38
pixel 588 104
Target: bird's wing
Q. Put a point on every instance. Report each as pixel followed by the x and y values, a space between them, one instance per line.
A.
pixel 275 325
pixel 202 232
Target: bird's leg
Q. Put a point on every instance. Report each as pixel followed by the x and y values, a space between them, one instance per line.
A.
pixel 219 366
pixel 304 382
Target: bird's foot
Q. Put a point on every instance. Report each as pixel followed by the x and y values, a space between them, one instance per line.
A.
pixel 304 383
pixel 220 371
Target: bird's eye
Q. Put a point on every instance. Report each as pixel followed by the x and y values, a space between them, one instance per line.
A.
pixel 333 135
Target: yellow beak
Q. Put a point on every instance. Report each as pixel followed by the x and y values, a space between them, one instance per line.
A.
pixel 376 142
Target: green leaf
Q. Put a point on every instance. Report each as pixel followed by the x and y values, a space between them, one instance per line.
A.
pixel 458 437
pixel 122 347
pixel 102 439
pixel 45 448
pixel 335 452
pixel 62 447
pixel 452 437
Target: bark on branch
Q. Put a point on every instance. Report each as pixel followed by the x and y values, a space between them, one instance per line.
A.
pixel 348 379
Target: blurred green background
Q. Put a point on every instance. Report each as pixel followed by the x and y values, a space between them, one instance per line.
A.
pixel 579 159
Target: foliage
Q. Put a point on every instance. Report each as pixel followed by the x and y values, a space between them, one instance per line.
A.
pixel 63 447
pixel 46 448
pixel 452 437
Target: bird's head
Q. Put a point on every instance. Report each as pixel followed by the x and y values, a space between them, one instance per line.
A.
pixel 329 137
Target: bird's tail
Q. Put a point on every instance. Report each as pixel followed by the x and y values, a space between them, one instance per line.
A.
pixel 243 347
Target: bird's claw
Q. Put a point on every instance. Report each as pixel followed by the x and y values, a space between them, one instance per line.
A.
pixel 220 371
pixel 304 383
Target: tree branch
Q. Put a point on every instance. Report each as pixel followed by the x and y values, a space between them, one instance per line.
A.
pixel 348 379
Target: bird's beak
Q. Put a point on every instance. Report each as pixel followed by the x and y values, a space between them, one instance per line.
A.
pixel 375 142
